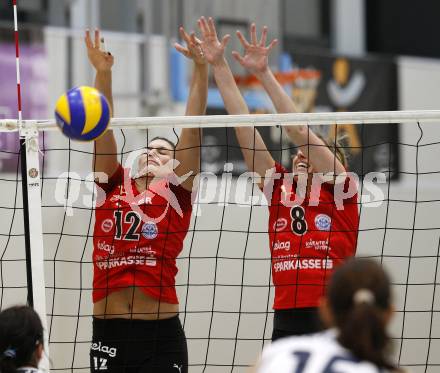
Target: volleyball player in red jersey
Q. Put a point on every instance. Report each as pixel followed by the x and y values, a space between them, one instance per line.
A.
pixel 139 232
pixel 311 233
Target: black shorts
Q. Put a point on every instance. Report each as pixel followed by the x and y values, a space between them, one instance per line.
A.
pixel 295 321
pixel 140 346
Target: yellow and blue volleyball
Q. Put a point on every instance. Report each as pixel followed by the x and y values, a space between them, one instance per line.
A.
pixel 83 113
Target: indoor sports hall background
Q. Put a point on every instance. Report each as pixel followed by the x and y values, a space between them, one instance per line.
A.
pixel 371 55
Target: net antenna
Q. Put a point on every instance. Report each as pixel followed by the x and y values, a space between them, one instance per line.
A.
pixel 32 211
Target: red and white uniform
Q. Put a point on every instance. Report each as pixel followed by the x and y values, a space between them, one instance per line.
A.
pixel 130 247
pixel 307 242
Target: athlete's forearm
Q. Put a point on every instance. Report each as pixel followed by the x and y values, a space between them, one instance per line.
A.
pixel 105 155
pixel 232 97
pixel 103 83
pixel 283 104
pixel 198 93
pixel 254 150
pixel 281 100
pixel 188 148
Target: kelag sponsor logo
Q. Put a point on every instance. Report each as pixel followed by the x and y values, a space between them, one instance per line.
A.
pixel 102 245
pixel 111 351
pixel 281 245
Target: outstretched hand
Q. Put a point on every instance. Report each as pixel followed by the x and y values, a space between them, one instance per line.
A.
pixel 256 54
pixel 212 47
pixel 101 60
pixel 193 50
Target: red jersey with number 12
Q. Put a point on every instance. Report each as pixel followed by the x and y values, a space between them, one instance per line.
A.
pixel 132 250
pixel 307 242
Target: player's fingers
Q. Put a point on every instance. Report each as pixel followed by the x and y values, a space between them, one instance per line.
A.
pixel 243 40
pixel 197 40
pixel 193 39
pixel 238 57
pixel 263 37
pixel 204 26
pixel 97 39
pixel 183 34
pixel 211 26
pixel 225 40
pixel 87 39
pixel 181 49
pixel 253 34
pixel 109 58
pixel 272 44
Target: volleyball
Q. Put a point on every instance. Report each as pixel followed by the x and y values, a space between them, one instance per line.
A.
pixel 82 113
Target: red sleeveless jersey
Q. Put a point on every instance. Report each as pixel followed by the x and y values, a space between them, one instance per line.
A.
pixel 307 242
pixel 138 236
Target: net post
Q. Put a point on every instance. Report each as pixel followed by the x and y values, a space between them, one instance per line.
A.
pixel 33 228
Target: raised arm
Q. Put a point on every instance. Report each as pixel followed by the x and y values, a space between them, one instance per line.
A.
pixel 255 60
pixel 188 148
pixel 105 155
pixel 255 153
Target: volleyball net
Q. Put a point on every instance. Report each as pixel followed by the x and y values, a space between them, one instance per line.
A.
pixel 224 280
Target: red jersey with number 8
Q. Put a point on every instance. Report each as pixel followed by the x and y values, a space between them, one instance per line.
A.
pixel 138 236
pixel 308 239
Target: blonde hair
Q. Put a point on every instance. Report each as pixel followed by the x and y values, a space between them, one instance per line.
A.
pixel 336 147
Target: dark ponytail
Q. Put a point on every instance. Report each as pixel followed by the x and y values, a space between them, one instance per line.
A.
pixel 21 332
pixel 359 296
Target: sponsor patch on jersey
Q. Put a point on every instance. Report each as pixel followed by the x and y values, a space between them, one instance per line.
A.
pixel 150 258
pixel 282 245
pixel 300 264
pixel 149 230
pixel 102 245
pixel 107 225
pixel 111 351
pixel 319 245
pixel 323 222
pixel 280 224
